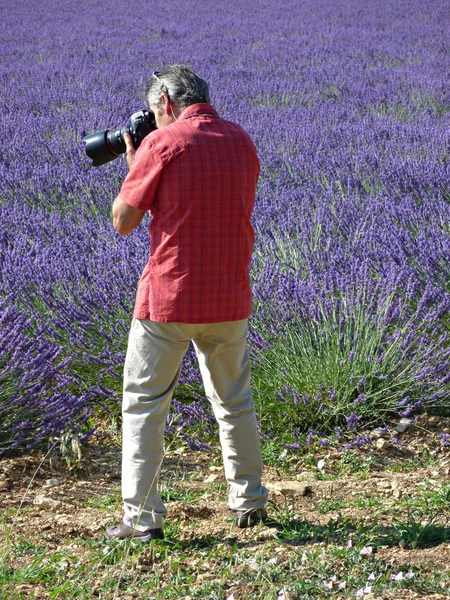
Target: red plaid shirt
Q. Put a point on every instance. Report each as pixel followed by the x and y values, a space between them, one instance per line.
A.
pixel 197 177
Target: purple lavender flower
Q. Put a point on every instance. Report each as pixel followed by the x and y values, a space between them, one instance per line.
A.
pixel 353 420
pixel 350 215
pixel 310 436
pixel 445 439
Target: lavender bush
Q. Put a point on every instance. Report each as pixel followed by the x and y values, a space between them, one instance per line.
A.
pixel 348 105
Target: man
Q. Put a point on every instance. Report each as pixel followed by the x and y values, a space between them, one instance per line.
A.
pixel 196 175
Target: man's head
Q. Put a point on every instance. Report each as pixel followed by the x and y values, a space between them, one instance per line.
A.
pixel 173 89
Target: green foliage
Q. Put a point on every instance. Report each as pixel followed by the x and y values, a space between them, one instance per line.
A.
pixel 344 369
pixel 424 518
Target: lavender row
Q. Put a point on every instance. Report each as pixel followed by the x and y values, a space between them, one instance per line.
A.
pixel 349 108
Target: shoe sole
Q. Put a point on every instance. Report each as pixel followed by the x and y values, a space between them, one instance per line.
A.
pixel 251 520
pixel 159 535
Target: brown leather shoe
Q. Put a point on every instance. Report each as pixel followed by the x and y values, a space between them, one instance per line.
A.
pixel 123 532
pixel 250 517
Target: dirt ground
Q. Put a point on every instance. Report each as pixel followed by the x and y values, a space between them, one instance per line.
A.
pixel 63 503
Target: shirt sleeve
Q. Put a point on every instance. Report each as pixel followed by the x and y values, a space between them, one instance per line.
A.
pixel 140 185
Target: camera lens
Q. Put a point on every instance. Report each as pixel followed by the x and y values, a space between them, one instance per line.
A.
pixel 98 149
pixel 116 141
pixel 104 146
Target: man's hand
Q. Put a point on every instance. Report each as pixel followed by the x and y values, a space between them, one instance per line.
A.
pixel 130 149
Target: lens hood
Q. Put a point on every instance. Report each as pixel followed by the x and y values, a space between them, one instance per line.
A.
pixel 98 149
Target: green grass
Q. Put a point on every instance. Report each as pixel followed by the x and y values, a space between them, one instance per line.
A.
pixel 352 463
pixel 171 493
pixel 309 560
pixel 424 518
pixel 329 505
pixel 171 572
pixel 363 501
pixel 111 500
pixel 316 555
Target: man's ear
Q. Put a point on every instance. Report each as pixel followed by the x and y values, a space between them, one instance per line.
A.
pixel 167 107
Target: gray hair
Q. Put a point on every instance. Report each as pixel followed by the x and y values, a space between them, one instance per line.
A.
pixel 180 84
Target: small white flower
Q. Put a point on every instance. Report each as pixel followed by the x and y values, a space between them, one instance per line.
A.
pixel 371 577
pixel 362 591
pixel 321 464
pixel 304 558
pixel 349 544
pixel 366 551
pixel 273 561
pixel 332 583
pixel 409 575
pixel 398 577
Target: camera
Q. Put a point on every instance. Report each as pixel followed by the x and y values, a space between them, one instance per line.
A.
pixel 106 145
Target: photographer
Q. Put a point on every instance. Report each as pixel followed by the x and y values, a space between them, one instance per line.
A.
pixel 196 175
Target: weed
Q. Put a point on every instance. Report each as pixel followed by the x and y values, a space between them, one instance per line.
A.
pixel 351 463
pixel 111 500
pixel 426 518
pixel 329 505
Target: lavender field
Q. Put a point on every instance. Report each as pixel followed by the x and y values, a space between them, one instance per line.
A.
pixel 348 104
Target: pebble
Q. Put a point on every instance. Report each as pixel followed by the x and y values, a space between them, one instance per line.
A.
pixel 377 433
pixel 44 503
pixel 403 425
pixel 383 484
pixel 382 444
pixel 52 482
pixel 290 488
pixel 144 568
pixel 306 476
pixel 267 534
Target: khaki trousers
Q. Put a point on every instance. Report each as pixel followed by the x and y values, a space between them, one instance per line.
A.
pixel 152 368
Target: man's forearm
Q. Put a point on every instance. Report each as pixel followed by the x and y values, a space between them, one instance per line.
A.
pixel 125 217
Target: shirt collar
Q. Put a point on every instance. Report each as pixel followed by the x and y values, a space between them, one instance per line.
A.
pixel 197 110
